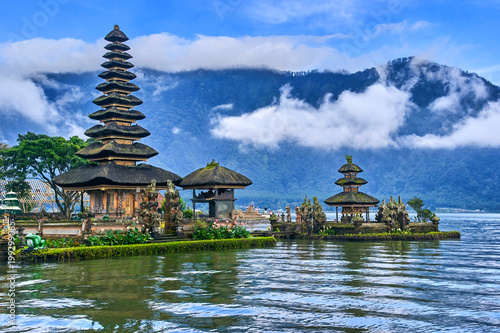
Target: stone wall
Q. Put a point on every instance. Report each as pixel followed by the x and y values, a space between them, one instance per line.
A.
pixel 423 227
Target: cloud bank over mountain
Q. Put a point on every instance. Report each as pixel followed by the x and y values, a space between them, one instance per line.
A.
pixel 356 120
pixel 369 119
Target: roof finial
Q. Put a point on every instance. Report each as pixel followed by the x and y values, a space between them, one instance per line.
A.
pixel 212 164
pixel 349 159
pixel 117 27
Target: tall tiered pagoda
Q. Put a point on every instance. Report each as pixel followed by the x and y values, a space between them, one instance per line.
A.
pixel 115 179
pixel 351 199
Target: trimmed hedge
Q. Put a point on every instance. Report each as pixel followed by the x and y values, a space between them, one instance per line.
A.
pixel 435 235
pixel 95 252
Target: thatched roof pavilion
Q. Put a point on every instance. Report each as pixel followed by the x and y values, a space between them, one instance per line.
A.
pixel 220 183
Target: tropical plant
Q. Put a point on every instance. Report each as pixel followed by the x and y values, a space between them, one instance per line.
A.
pixel 119 237
pixel 215 230
pixel 61 243
pixel 327 231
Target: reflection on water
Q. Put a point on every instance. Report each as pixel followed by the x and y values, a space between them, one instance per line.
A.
pixel 298 286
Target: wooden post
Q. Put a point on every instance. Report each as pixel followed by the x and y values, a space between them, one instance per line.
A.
pixel 81 201
pixel 194 205
pixel 216 203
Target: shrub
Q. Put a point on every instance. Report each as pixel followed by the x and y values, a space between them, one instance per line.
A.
pixel 60 243
pixel 94 252
pixel 118 237
pixel 212 230
pixel 188 213
pixel 327 231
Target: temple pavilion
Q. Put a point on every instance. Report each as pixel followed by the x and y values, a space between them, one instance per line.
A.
pixel 114 180
pixel 351 199
pixel 219 184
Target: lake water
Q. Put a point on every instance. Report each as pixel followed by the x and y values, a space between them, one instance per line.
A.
pixel 298 286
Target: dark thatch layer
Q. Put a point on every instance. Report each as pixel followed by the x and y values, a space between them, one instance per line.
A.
pixel 352 198
pixel 117 74
pixel 117 63
pixel 113 112
pixel 350 167
pixel 114 174
pixel 113 149
pixel 119 55
pixel 116 35
pixel 350 181
pixel 109 85
pixel 217 176
pixel 116 98
pixel 117 47
pixel 134 132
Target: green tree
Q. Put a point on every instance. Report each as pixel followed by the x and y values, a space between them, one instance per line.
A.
pixel 423 215
pixel 43 157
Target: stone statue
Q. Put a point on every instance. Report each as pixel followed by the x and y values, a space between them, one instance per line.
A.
pixel 393 214
pixel 288 215
pixel 172 206
pixel 298 218
pixel 148 212
pixel 319 217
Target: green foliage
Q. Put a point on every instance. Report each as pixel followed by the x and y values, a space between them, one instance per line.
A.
pixel 184 205
pixel 61 243
pixel 401 232
pixel 423 215
pixel 273 217
pixel 95 252
pixel 416 203
pixel 219 231
pixel 188 213
pixel 43 157
pixel 327 231
pixel 118 237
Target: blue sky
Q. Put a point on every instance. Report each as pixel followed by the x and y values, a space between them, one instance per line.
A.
pixel 366 33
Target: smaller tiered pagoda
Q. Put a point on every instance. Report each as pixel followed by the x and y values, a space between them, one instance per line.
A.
pixel 351 200
pixel 10 204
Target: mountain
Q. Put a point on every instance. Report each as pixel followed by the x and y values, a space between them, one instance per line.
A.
pixel 408 135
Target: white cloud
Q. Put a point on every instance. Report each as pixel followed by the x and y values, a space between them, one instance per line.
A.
pixel 21 97
pixel 294 53
pixel 223 107
pixel 480 131
pixel 176 130
pixel 459 86
pixel 358 120
pixel 40 55
pixel 401 27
